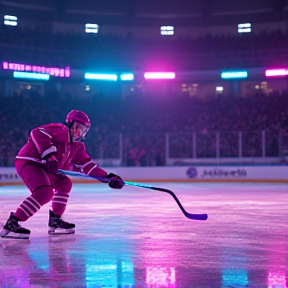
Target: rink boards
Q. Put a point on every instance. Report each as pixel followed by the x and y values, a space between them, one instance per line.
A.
pixel 269 174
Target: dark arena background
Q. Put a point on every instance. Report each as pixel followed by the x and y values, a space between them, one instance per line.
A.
pixel 187 96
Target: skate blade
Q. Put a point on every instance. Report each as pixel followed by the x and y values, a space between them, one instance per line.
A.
pixel 60 231
pixel 8 234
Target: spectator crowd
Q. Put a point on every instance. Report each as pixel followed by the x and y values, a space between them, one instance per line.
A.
pixel 136 128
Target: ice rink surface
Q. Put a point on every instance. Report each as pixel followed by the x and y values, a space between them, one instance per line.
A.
pixel 137 237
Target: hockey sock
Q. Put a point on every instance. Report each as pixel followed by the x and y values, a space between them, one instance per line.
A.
pixel 33 203
pixel 59 202
pixel 62 189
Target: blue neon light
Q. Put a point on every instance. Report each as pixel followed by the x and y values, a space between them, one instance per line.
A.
pixel 95 76
pixel 30 75
pixel 127 77
pixel 234 74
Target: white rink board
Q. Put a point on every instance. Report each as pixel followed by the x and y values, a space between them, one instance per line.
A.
pixel 204 173
pixel 8 175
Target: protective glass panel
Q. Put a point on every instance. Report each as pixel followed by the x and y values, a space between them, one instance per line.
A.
pixel 206 145
pixel 105 146
pixel 272 143
pixel 252 144
pixel 145 149
pixel 229 144
pixel 180 145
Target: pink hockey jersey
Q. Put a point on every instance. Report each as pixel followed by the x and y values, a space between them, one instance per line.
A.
pixel 55 138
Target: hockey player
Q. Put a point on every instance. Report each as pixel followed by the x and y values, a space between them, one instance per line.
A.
pixel 50 147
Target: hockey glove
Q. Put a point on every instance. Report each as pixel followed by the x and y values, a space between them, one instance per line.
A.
pixel 52 164
pixel 115 181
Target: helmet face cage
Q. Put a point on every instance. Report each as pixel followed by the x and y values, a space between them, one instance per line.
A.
pixel 82 127
pixel 78 131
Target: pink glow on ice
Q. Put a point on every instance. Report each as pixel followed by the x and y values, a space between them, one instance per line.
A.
pixel 278 279
pixel 159 75
pixel 276 72
pixel 160 276
pixel 53 71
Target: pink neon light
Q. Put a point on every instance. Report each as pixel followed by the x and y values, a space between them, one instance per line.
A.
pixel 57 72
pixel 67 72
pixel 276 72
pixel 160 276
pixel 159 75
pixel 5 65
pixel 53 71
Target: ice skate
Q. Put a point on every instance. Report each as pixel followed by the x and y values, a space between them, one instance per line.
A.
pixel 57 226
pixel 13 230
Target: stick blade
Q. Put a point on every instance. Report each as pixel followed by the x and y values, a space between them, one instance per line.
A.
pixel 197 216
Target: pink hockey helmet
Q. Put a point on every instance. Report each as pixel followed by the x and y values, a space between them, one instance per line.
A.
pixel 79 117
pixel 83 120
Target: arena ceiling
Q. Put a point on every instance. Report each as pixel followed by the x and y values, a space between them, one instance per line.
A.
pixel 149 12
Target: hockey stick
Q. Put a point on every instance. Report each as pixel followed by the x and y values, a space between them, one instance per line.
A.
pixel 188 215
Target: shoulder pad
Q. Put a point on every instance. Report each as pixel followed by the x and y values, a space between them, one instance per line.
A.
pixel 54 125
